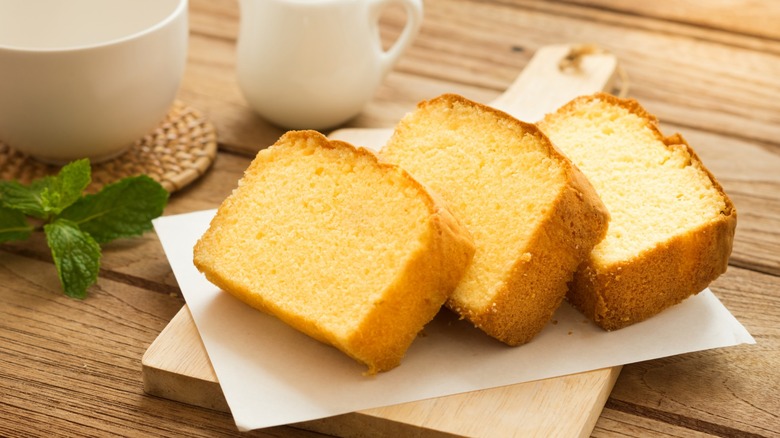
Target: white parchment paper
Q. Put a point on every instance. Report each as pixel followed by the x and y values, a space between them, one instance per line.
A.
pixel 272 375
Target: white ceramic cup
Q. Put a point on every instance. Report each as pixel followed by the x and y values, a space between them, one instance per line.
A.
pixel 87 78
pixel 313 64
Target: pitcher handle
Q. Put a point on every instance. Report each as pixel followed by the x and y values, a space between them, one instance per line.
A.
pixel 414 15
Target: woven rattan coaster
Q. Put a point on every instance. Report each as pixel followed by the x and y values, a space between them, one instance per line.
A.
pixel 175 154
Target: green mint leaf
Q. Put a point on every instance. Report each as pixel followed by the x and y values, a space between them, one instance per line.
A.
pixel 25 199
pixel 49 195
pixel 122 209
pixel 66 187
pixel 13 225
pixel 76 256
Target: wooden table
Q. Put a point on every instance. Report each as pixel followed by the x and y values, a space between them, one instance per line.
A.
pixel 710 70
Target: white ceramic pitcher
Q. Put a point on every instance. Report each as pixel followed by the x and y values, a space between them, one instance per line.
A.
pixel 313 64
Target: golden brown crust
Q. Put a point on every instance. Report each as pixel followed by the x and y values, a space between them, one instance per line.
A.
pixel 387 332
pixel 408 303
pixel 635 289
pixel 538 283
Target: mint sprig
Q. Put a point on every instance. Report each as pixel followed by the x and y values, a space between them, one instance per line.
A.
pixel 75 224
pixel 13 225
pixel 48 196
pixel 76 255
pixel 122 209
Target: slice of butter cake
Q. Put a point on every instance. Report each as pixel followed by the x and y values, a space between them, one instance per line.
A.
pixel 672 225
pixel 341 246
pixel 533 215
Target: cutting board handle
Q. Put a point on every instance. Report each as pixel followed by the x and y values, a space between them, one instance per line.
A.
pixel 177 366
pixel 554 75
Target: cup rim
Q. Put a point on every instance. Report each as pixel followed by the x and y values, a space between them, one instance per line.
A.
pixel 181 6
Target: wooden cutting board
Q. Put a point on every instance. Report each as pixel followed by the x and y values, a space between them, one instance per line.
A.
pixel 176 365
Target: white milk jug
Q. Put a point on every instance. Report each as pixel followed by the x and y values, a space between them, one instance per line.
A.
pixel 313 64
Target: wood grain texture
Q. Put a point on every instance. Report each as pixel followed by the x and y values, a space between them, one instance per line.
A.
pixel 750 17
pixel 176 366
pixel 699 77
pixel 724 93
pixel 722 392
pixel 72 368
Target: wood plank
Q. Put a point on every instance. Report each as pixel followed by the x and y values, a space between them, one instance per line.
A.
pixel 696 79
pixel 691 80
pixel 618 424
pixel 722 156
pixel 71 368
pixel 41 361
pixel 724 392
pixel 176 366
pixel 737 131
pixel 542 87
pixel 186 375
pixel 208 193
pixel 758 18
